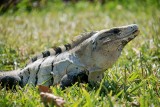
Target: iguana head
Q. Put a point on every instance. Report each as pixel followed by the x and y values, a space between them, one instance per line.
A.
pixel 114 39
pixel 103 48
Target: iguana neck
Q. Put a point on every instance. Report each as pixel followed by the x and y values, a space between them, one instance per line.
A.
pixel 96 59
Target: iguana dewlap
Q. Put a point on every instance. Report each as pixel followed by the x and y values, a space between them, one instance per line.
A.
pixel 85 59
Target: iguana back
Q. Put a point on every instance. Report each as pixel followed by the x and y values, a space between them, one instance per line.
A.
pixel 60 49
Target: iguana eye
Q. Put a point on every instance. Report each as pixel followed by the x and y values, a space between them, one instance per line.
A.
pixel 116 31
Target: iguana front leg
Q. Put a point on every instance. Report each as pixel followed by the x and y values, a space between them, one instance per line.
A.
pixel 80 77
pixel 72 77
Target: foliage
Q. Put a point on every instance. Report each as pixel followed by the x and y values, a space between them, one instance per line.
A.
pixel 29 5
pixel 133 81
pixel 15 5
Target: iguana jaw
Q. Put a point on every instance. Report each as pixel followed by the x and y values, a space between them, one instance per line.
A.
pixel 132 34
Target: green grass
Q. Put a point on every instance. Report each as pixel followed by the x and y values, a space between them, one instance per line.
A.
pixel 134 80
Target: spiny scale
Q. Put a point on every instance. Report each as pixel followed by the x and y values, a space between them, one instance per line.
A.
pixel 60 49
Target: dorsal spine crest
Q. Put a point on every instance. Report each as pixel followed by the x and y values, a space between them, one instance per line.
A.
pixel 60 49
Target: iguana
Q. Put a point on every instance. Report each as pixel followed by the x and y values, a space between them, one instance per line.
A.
pixel 84 60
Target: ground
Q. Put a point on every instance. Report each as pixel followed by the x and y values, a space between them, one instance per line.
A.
pixel 133 81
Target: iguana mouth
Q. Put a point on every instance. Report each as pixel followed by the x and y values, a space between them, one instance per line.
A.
pixel 132 35
pixel 136 32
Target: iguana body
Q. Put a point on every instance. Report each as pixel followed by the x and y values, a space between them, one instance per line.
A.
pixel 86 58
